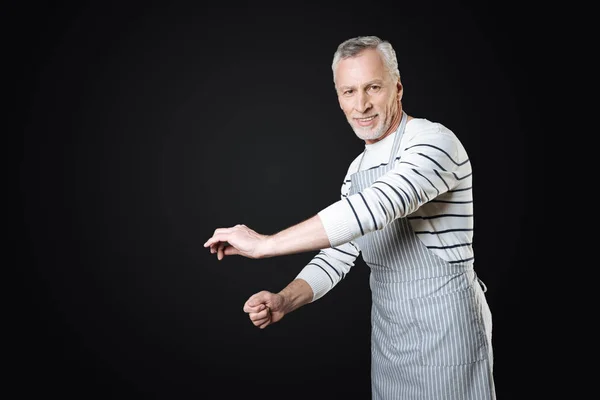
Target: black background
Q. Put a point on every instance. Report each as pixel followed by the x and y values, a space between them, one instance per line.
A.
pixel 144 128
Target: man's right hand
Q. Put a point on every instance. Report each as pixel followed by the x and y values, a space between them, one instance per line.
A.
pixel 265 308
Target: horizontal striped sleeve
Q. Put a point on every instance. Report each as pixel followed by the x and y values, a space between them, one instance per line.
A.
pixel 431 162
pixel 328 267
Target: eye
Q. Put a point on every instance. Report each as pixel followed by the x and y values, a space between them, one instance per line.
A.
pixel 374 88
pixel 347 92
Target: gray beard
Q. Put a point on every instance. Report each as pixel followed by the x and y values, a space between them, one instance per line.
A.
pixel 369 135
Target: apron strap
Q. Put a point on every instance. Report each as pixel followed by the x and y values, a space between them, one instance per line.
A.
pixel 397 139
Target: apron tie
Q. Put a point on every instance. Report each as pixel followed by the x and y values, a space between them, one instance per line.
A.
pixel 483 286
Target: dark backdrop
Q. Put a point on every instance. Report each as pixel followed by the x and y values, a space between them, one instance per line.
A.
pixel 145 128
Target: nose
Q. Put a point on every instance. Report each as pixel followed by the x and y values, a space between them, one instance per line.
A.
pixel 363 102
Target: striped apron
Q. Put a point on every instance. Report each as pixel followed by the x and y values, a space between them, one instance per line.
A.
pixel 431 324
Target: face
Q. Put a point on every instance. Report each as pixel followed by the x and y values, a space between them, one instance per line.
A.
pixel 368 95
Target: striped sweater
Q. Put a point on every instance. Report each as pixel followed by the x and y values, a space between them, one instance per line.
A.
pixel 430 185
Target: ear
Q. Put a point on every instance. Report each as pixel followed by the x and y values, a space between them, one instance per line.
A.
pixel 400 89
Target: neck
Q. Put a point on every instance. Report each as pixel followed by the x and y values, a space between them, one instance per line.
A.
pixel 393 126
pixel 395 122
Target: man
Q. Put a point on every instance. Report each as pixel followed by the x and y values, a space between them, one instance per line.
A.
pixel 407 206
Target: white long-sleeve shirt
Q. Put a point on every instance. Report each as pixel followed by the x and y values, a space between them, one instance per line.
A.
pixel 430 184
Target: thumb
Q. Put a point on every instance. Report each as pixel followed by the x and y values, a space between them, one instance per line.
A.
pixel 256 302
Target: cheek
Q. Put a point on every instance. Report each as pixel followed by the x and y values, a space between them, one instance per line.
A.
pixel 346 108
pixel 392 104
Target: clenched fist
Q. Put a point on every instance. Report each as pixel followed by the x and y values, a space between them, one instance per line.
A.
pixel 265 308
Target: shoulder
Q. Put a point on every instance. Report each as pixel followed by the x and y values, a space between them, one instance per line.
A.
pixel 422 128
pixel 423 134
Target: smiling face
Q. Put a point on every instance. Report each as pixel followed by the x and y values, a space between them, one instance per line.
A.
pixel 368 95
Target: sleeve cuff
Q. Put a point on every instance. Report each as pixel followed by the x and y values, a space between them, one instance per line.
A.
pixel 316 279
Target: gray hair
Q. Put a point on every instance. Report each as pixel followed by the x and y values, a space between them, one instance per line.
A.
pixel 353 47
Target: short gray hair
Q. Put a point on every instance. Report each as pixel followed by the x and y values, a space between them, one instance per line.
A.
pixel 353 47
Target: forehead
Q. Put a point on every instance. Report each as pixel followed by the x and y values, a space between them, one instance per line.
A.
pixel 366 66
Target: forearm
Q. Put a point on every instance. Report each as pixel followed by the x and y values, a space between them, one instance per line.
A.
pixel 308 235
pixel 296 294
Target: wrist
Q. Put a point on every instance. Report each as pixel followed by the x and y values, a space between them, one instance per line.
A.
pixel 295 295
pixel 287 301
pixel 266 247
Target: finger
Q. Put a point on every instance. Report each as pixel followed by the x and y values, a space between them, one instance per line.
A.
pixel 222 230
pixel 267 319
pixel 220 253
pixel 263 326
pixel 258 298
pixel 214 248
pixel 217 237
pixel 231 251
pixel 259 321
pixel 213 240
pixel 261 315
pixel 254 308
